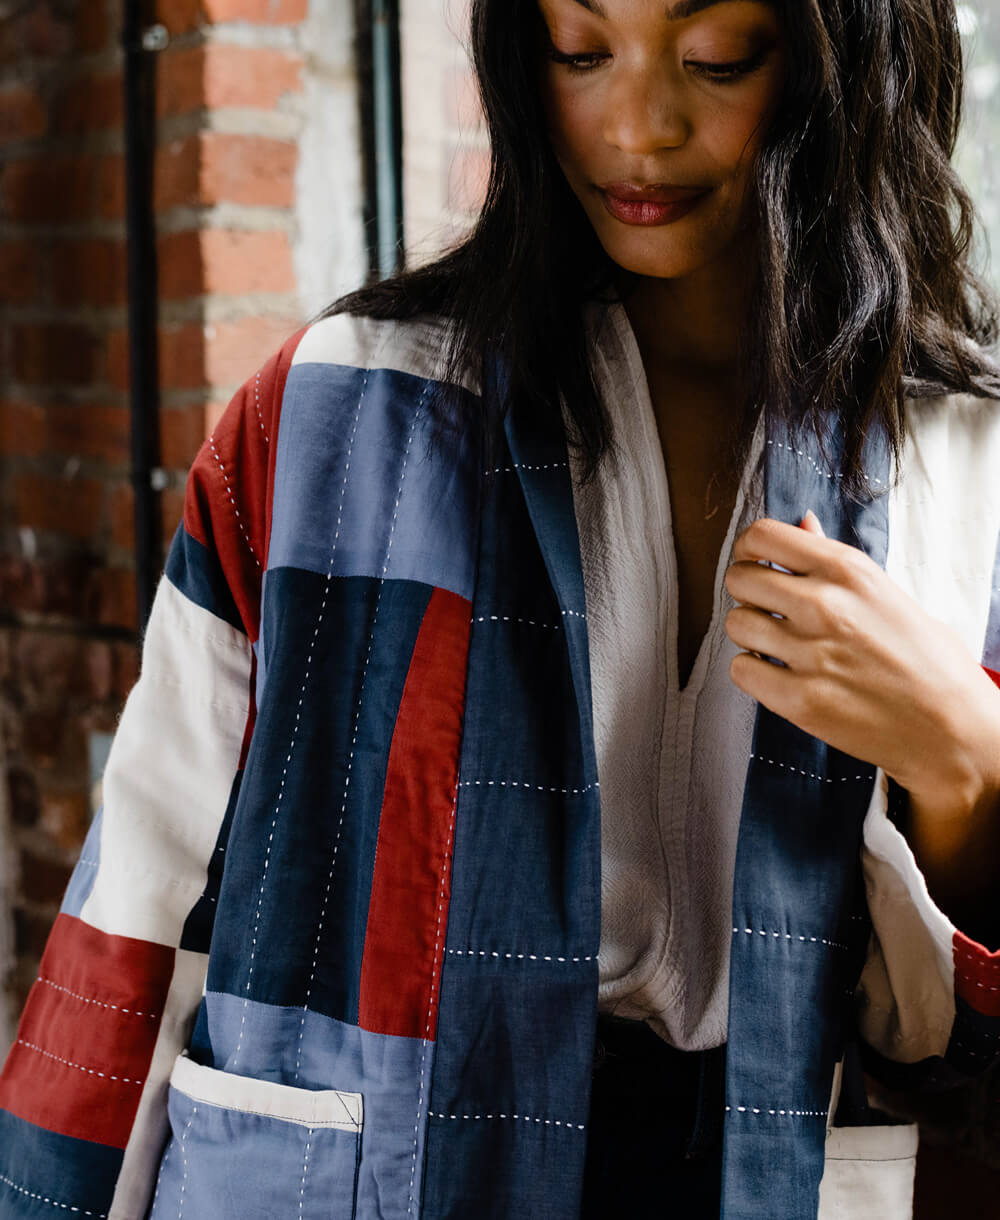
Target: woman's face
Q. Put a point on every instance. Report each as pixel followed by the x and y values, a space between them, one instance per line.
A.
pixel 652 94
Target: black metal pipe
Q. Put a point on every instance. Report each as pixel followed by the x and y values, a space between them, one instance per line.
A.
pixel 140 120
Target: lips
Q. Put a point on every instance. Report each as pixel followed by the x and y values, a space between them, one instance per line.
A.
pixel 656 192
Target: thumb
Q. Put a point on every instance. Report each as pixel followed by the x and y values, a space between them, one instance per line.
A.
pixel 811 523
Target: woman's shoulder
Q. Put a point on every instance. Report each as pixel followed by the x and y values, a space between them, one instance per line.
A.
pixel 416 346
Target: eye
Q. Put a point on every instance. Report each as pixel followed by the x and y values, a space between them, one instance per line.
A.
pixel 723 73
pixel 576 63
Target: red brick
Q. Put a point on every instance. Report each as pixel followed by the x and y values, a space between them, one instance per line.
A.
pixel 43 732
pixel 92 31
pixel 126 657
pixel 226 262
pixel 44 33
pixel 71 429
pixel 111 598
pixel 50 665
pixel 109 201
pixel 66 506
pixel 90 103
pixel 467 177
pixel 22 429
pixel 117 353
pixel 57 353
pixel 48 189
pixel 22 788
pixel 179 15
pixel 224 354
pixel 22 116
pixel 122 515
pixel 171 510
pixel 31 931
pixel 219 75
pixel 89 272
pixel 21 272
pixel 55 586
pixel 42 881
pixel 65 818
pixel 182 430
pixel 217 167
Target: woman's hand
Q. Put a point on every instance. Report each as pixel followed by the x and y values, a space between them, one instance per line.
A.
pixel 871 673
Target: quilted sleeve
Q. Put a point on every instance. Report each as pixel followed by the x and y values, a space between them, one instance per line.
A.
pixel 83 1089
pixel 929 994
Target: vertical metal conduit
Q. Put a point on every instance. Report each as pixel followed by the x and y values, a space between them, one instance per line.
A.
pixel 380 102
pixel 139 42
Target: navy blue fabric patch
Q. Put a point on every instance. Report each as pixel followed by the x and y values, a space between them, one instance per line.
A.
pixel 42 1173
pixel 197 934
pixel 197 573
pixel 302 847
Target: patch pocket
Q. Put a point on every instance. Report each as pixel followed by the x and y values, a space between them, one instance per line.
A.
pixel 254 1149
pixel 869 1173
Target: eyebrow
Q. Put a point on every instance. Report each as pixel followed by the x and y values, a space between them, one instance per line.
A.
pixel 676 12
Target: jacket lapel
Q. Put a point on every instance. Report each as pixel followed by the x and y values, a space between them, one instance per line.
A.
pixel 799 915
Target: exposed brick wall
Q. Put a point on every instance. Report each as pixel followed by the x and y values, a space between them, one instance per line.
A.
pixel 228 113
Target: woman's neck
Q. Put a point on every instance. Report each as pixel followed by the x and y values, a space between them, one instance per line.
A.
pixel 692 325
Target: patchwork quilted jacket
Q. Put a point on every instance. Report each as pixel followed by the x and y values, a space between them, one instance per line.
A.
pixel 331 946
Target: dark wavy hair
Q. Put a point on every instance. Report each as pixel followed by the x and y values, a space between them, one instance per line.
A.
pixel 864 293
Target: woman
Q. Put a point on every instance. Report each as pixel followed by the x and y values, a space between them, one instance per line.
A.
pixel 343 954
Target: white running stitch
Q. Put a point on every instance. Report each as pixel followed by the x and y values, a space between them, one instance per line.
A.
pixel 66 1207
pixel 531 957
pixel 256 396
pixel 357 720
pixel 809 458
pixel 295 727
pixel 430 997
pixel 184 1163
pixel 982 986
pixel 79 1066
pixel 232 501
pixel 524 466
pixel 808 774
pixel 305 1166
pixel 513 783
pixel 814 940
pixel 527 1118
pixel 778 1113
pixel 507 618
pixel 99 1003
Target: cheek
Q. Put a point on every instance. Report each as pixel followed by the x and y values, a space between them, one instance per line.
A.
pixel 573 125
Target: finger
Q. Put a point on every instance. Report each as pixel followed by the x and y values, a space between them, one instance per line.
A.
pixel 777 592
pixel 773 685
pixel 793 548
pixel 757 631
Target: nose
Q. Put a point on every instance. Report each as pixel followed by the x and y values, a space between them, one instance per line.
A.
pixel 643 112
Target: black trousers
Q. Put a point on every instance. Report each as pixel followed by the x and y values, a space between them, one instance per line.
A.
pixel 654 1136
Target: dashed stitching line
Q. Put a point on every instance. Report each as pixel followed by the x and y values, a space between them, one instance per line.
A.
pixel 527 1118
pixel 778 1113
pixel 531 957
pixel 232 500
pixel 513 783
pixel 814 940
pixel 152 1016
pixel 357 720
pixel 507 618
pixel 66 1207
pixel 79 1066
pixel 525 466
pixel 435 974
pixel 809 774
pixel 809 458
pixel 87 863
pixel 260 417
pixel 295 727
pixel 305 1167
pixel 184 1163
pixel 964 978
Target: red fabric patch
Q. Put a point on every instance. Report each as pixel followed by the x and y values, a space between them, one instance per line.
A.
pixel 230 487
pixel 404 941
pixel 86 1037
pixel 994 674
pixel 977 975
